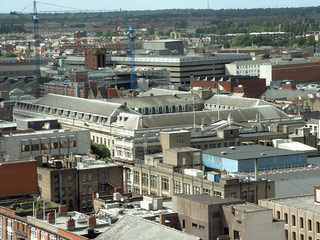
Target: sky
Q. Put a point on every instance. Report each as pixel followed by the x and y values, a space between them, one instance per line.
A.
pixel 17 5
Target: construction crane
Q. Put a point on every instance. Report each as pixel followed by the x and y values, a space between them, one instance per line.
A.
pixel 117 30
pixel 36 39
pixel 132 56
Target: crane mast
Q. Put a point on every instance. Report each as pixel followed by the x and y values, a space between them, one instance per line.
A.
pixel 36 38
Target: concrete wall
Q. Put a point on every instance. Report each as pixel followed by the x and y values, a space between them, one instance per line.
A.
pixel 13 145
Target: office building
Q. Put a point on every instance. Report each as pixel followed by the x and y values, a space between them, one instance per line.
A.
pixel 300 214
pixel 213 218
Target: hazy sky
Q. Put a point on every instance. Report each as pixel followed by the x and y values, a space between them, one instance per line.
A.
pixel 18 5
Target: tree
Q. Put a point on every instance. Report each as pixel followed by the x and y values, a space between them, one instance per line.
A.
pixel 101 150
pixel 9 55
pixel 150 31
pixel 98 33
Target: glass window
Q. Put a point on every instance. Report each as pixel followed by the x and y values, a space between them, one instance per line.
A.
pixel 25 148
pixel 63 144
pixel 176 187
pixel 165 184
pixel 44 146
pixel 83 177
pixel 180 138
pixel 84 204
pixel 35 147
pixel 54 145
pixel 196 190
pixel 186 188
pixel 145 178
pixel 89 177
pixel 154 181
pixel 89 190
pixel 72 143
pixel 136 177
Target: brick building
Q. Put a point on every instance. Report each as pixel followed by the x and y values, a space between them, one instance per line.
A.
pixel 15 175
pixel 72 181
pixel 250 86
pixel 300 72
pixel 95 58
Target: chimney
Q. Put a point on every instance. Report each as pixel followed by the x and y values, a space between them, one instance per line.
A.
pixel 71 224
pixel 63 210
pixel 92 221
pixel 51 218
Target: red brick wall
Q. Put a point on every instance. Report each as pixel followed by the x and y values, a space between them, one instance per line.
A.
pixel 251 88
pixel 18 178
pixel 305 72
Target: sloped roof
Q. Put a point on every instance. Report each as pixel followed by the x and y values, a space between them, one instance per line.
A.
pixel 234 101
pixel 160 92
pixel 16 91
pixel 207 117
pixel 134 228
pixel 165 100
pixel 78 104
pixel 287 94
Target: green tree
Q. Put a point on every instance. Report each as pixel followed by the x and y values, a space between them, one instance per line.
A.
pixel 101 150
pixel 98 33
pixel 150 31
pixel 9 54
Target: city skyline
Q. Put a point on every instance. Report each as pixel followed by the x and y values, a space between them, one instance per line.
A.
pixel 18 5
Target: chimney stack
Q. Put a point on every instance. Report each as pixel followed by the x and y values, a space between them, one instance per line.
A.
pixel 63 210
pixel 92 221
pixel 51 218
pixel 71 224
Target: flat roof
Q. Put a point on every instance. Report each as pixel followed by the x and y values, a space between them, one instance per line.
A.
pixel 249 152
pixel 183 149
pixel 304 203
pixel 249 208
pixel 208 200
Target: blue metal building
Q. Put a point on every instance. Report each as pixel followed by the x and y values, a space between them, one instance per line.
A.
pixel 241 158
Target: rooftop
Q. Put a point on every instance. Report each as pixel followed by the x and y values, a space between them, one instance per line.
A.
pixel 237 102
pixel 208 200
pixel 182 59
pixel 249 208
pixel 249 152
pixel 78 104
pixel 137 229
pixel 304 203
pixel 183 149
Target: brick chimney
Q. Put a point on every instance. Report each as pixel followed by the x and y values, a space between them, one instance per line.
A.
pixel 63 210
pixel 92 221
pixel 51 217
pixel 71 224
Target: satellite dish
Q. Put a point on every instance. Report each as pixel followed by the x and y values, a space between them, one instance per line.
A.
pixel 97 195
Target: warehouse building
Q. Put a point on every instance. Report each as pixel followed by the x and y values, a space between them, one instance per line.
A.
pixel 242 158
